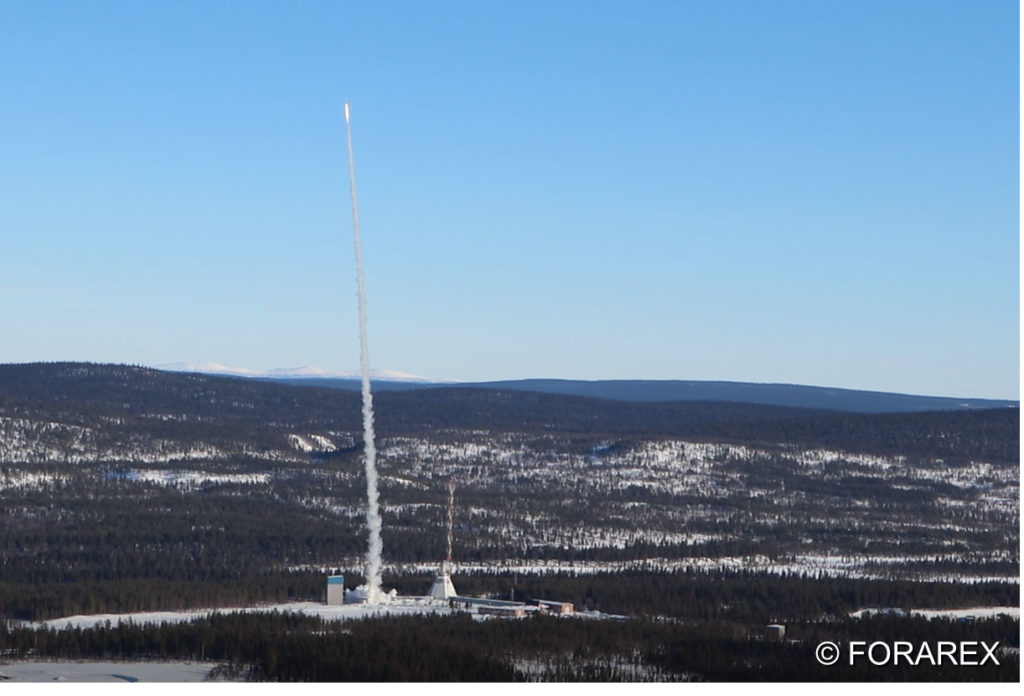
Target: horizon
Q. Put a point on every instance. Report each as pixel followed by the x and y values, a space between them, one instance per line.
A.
pixel 377 374
pixel 587 189
pixel 291 374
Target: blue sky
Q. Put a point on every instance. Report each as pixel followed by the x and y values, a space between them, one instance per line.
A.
pixel 805 192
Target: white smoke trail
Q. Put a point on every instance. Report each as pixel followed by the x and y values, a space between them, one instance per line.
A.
pixel 373 520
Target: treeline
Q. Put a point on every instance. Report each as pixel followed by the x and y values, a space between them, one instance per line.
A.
pixel 448 648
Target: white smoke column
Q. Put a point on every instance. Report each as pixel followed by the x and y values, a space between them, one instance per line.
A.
pixel 373 521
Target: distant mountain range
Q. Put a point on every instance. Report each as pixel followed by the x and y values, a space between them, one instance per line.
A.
pixel 635 390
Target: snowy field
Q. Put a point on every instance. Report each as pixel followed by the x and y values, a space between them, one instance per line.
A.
pixel 973 612
pixel 49 672
pixel 402 606
pixel 407 606
pixel 966 614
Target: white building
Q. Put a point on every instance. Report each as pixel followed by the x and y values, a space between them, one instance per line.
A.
pixel 335 590
pixel 442 587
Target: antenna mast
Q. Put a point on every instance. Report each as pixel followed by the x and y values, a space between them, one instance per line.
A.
pixel 451 523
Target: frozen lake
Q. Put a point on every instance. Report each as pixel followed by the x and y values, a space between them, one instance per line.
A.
pixel 42 671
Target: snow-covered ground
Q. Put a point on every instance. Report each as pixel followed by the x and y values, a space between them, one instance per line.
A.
pixel 44 671
pixel 171 477
pixel 968 613
pixel 403 606
pixel 971 612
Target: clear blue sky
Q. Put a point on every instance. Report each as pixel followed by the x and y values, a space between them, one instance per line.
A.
pixel 806 192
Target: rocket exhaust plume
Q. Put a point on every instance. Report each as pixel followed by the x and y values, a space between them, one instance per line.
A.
pixel 373 520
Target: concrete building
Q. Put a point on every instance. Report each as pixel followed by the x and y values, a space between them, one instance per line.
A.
pixel 490 607
pixel 335 590
pixel 555 607
pixel 509 612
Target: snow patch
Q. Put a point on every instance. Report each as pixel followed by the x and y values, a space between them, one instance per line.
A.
pixel 312 443
pixel 172 478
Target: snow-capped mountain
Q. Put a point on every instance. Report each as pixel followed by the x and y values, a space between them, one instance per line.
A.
pixel 287 372
pixel 350 374
pixel 209 368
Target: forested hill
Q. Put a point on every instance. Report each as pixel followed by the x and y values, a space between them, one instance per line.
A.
pixel 115 401
pixel 638 390
pixel 751 393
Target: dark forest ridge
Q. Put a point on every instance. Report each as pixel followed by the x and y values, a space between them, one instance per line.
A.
pixel 634 391
pixel 189 407
pixel 649 391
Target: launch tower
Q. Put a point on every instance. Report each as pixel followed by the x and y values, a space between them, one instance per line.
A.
pixel 443 587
